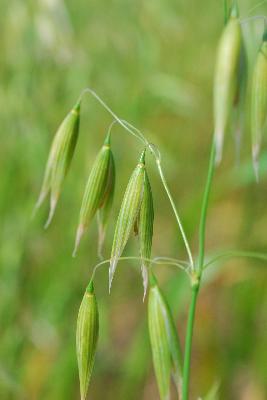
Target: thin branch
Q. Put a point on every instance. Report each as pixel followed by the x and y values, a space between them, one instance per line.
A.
pixel 156 261
pixel 237 254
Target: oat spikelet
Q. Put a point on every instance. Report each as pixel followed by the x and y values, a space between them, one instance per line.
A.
pixel 99 188
pixel 259 102
pixel 165 346
pixel 128 213
pixel 226 77
pixel 59 160
pixel 145 230
pixel 86 338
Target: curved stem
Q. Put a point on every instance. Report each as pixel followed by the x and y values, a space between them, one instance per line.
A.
pixel 93 93
pixel 171 259
pixel 188 341
pixel 256 6
pixel 204 208
pixel 241 254
pixel 156 260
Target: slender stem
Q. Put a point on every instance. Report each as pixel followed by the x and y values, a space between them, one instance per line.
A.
pixel 256 6
pixel 156 261
pixel 119 121
pixel 196 278
pixel 188 341
pixel 176 215
pixel 241 254
pixel 204 208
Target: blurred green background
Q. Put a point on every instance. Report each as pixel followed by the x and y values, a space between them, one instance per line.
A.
pixel 152 62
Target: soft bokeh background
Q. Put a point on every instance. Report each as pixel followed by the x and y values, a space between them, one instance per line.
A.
pixel 152 62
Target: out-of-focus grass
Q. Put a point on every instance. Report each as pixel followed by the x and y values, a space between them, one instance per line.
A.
pixel 152 61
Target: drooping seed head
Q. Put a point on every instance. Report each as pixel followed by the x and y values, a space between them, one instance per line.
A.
pixel 259 101
pixel 59 159
pixel 86 338
pixel 240 99
pixel 99 187
pixel 166 350
pixel 145 229
pixel 103 212
pixel 226 77
pixel 128 213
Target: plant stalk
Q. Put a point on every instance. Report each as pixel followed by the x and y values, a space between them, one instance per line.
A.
pixel 188 341
pixel 204 209
pixel 196 277
pixel 186 243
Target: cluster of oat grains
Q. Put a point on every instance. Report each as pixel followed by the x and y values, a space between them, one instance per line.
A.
pixel 137 214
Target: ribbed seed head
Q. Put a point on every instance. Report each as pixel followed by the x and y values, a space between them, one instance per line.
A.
pixel 166 351
pixel 240 98
pixel 145 229
pixel 86 338
pixel 103 212
pixel 226 77
pixel 128 213
pixel 59 159
pixel 97 189
pixel 259 101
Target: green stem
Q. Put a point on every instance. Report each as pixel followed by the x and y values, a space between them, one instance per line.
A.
pixel 188 341
pixel 231 254
pixel 196 278
pixel 186 243
pixel 204 208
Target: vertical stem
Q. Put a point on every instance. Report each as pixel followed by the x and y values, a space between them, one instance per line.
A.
pixel 197 279
pixel 188 341
pixel 204 208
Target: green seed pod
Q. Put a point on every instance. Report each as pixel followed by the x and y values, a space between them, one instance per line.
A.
pixel 226 77
pixel 259 101
pixel 145 229
pixel 97 189
pixel 128 213
pixel 166 350
pixel 240 99
pixel 104 212
pixel 86 338
pixel 59 159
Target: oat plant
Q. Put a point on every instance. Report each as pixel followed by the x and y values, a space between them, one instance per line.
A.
pixel 136 215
